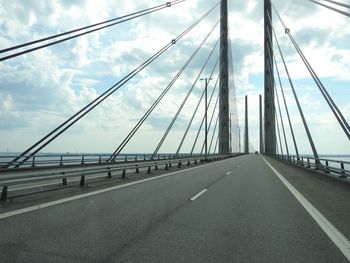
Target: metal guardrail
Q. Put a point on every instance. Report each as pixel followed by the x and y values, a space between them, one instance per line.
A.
pixel 326 165
pixel 52 160
pixel 20 179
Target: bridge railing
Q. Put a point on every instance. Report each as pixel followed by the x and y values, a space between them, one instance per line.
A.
pixel 53 160
pixel 339 167
pixel 13 178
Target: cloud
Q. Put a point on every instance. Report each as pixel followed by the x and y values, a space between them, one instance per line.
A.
pixel 42 89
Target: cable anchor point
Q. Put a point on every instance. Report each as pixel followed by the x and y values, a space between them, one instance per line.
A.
pixel 168 4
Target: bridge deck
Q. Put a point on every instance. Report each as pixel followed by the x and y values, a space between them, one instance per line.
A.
pixel 246 215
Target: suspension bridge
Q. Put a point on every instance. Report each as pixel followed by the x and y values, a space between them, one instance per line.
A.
pixel 207 199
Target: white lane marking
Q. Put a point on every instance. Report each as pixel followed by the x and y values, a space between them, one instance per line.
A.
pixel 199 194
pixel 332 232
pixel 228 172
pixel 68 199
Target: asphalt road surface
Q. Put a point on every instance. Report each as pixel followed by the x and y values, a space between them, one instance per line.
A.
pixel 236 210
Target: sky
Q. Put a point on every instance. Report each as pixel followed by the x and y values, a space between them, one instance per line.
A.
pixel 42 89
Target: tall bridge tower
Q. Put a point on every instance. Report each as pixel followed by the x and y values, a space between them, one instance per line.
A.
pixel 224 129
pixel 269 96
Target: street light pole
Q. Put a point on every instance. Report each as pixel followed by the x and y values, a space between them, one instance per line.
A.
pixel 230 133
pixel 206 119
pixel 239 135
pixel 206 116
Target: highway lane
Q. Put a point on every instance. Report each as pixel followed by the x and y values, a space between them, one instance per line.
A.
pixel 245 215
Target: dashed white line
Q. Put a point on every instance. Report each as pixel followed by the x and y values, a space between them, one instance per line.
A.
pixel 331 231
pixel 228 172
pixel 199 194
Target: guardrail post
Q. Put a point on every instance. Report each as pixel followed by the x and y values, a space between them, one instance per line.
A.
pixel 170 165
pixel 326 170
pixel 317 166
pixel 123 174
pixel 195 161
pixel 64 181
pixel 166 167
pixel 179 164
pixel 82 181
pixel 4 193
pixel 126 157
pixel 308 162
pixel 156 167
pixel 100 159
pixel 61 160
pixel 342 170
pixel 137 169
pixel 302 161
pixel 188 163
pixel 149 170
pixel 109 174
pixel 135 157
pixel 33 162
pixel 82 159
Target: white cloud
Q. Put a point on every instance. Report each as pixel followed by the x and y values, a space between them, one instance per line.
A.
pixel 42 89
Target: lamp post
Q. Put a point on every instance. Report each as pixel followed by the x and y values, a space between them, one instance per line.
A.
pixel 239 136
pixel 246 135
pixel 206 115
pixel 231 148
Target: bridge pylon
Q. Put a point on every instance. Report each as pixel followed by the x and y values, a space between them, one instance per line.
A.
pixel 269 96
pixel 224 123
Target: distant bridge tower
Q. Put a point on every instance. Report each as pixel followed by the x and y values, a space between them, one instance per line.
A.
pixel 224 129
pixel 246 127
pixel 269 98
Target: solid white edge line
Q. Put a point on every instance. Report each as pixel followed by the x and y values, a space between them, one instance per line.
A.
pixel 332 232
pixel 199 194
pixel 67 199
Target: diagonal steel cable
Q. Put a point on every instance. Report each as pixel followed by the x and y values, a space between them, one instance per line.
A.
pixel 196 109
pixel 312 144
pixel 154 105
pixel 337 113
pixel 118 19
pixel 36 147
pixel 183 102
